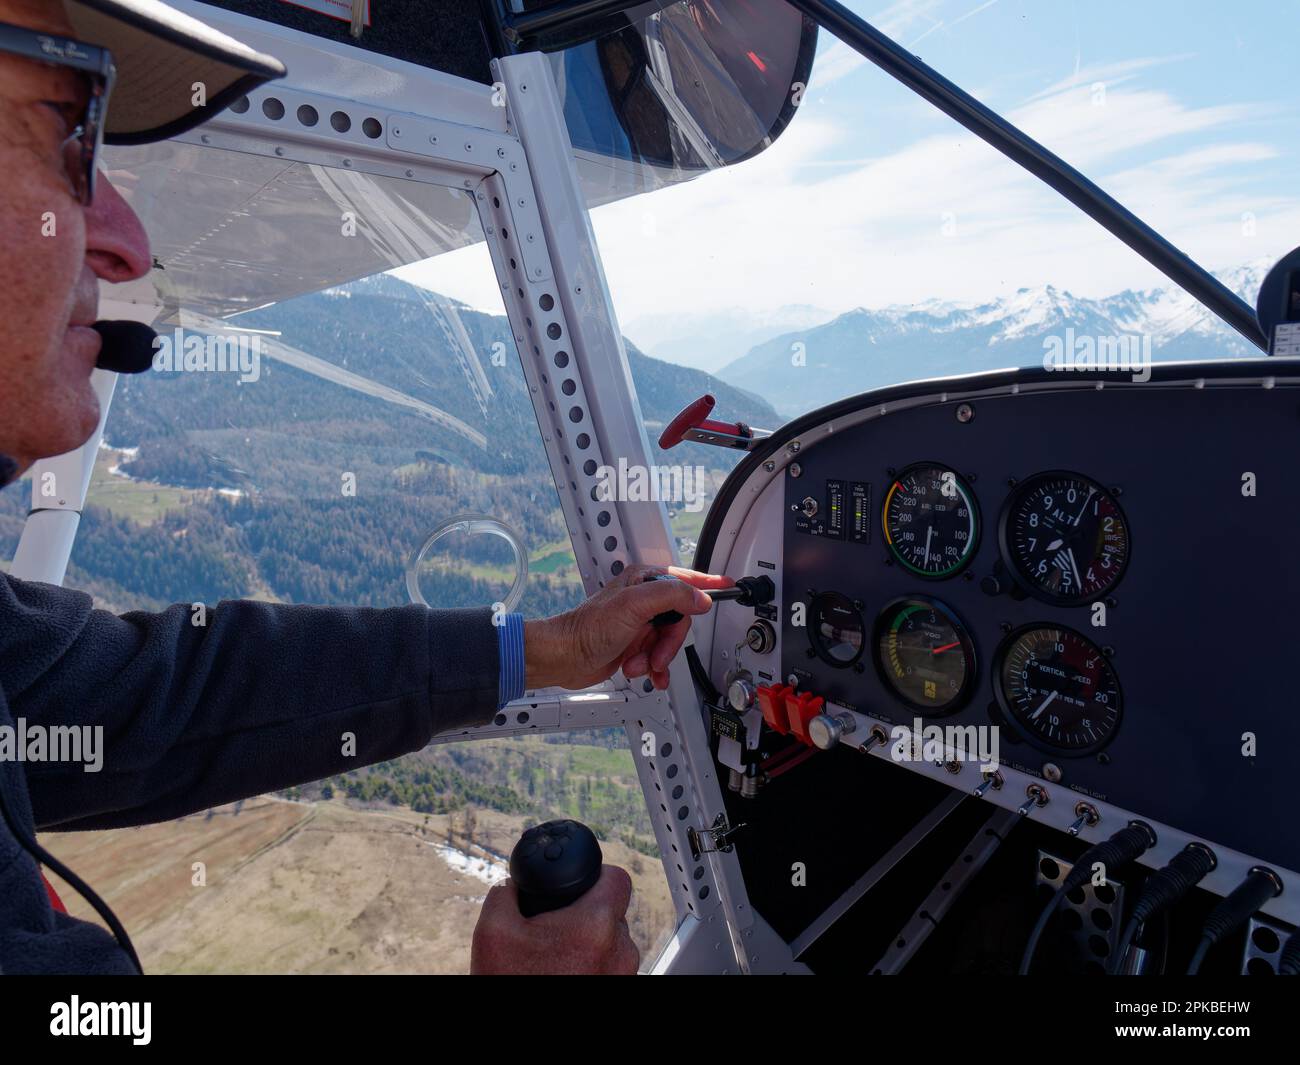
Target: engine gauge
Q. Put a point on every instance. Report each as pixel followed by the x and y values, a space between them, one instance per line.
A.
pixel 1058 687
pixel 924 655
pixel 835 629
pixel 931 523
pixel 1065 538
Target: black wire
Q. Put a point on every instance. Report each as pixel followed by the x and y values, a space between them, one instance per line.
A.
pixel 1247 897
pixel 1043 918
pixel 1163 889
pixel 1121 948
pixel 45 858
pixel 1202 948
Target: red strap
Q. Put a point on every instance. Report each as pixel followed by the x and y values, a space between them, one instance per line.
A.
pixel 55 901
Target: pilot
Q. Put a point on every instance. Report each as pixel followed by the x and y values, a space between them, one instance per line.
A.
pixel 262 696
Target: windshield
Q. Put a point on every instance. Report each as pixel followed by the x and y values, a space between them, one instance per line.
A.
pixel 876 241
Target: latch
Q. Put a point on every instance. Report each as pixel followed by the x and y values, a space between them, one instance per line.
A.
pixel 720 835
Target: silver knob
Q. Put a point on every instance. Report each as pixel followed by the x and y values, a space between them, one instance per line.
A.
pixel 825 730
pixel 809 506
pixel 741 694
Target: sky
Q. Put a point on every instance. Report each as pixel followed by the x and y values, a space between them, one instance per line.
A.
pixel 1187 112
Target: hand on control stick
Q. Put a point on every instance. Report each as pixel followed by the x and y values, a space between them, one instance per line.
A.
pixel 612 630
pixel 589 936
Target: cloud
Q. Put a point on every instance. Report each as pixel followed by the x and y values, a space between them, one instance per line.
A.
pixel 812 220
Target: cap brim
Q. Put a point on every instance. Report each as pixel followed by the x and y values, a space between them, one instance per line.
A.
pixel 161 54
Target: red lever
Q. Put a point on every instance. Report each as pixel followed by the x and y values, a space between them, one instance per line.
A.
pixel 771 700
pixel 696 416
pixel 802 708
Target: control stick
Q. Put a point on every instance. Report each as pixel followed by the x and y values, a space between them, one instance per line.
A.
pixel 749 591
pixel 553 864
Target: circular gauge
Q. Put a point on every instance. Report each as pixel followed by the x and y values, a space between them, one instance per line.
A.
pixel 924 655
pixel 1059 689
pixel 1065 538
pixel 835 629
pixel 930 520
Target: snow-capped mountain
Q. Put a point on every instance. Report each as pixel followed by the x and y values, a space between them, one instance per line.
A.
pixel 806 368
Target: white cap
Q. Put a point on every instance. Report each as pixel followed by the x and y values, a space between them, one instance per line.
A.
pixel 160 54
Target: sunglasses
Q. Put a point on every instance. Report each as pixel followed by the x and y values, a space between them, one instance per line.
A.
pixel 95 65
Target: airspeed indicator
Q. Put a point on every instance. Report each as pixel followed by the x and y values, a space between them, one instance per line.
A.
pixel 931 523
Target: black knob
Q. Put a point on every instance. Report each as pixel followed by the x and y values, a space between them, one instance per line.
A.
pixel 553 864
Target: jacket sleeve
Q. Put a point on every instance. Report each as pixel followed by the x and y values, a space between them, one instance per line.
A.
pixel 263 696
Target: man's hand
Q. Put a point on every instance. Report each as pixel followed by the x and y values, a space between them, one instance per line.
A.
pixel 589 936
pixel 612 630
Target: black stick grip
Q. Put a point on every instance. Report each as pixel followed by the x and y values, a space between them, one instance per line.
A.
pixel 554 864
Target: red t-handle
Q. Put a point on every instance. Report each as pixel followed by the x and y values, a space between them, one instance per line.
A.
pixel 696 416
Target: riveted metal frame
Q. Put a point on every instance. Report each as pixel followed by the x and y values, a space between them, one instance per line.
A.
pixel 587 409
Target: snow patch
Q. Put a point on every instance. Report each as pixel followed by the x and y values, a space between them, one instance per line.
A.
pixel 489 870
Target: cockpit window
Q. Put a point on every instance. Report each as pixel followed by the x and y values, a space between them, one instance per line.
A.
pixel 877 241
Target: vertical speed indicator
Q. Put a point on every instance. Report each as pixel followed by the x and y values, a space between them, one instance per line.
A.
pixel 1058 688
pixel 931 524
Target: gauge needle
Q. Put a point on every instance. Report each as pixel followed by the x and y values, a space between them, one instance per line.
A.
pixel 1074 566
pixel 946 647
pixel 928 535
pixel 1043 705
pixel 1079 517
pixel 1055 544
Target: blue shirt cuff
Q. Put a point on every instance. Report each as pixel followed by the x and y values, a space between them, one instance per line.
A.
pixel 510 644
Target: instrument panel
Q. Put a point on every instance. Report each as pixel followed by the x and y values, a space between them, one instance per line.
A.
pixel 1083 570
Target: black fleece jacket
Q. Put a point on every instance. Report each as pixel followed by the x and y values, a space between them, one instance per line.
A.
pixel 258 698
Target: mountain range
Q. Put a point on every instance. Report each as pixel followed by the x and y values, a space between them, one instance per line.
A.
pixel 802 369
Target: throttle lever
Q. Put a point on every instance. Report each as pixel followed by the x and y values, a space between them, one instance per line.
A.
pixel 748 591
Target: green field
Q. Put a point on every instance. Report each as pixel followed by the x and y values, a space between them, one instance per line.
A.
pixel 141 501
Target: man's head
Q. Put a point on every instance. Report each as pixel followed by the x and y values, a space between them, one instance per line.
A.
pixel 57 249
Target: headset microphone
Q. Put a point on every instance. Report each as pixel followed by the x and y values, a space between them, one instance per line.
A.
pixel 128 347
